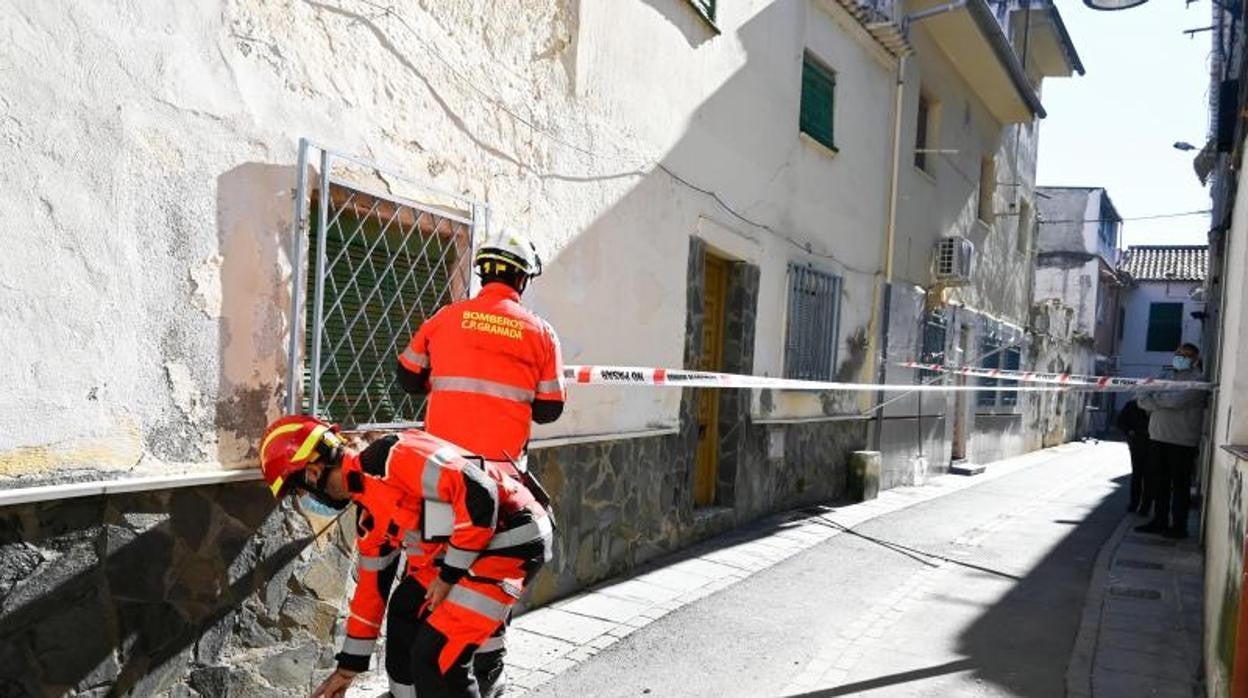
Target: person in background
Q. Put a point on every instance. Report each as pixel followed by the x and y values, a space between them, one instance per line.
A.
pixel 1133 422
pixel 1174 424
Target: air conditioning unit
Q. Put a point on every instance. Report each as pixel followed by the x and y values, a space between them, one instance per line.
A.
pixel 953 260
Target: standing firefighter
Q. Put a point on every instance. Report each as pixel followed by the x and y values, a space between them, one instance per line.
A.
pixel 473 541
pixel 491 368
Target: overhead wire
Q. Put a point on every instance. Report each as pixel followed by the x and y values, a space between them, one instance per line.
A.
pixel 807 247
pixel 1179 214
pixel 648 164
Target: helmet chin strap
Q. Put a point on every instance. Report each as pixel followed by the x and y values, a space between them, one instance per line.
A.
pixel 320 492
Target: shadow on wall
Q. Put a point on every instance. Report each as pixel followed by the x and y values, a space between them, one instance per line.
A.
pixel 131 592
pixel 682 16
pixel 622 503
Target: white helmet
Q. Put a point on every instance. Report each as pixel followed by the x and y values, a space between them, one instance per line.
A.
pixel 511 248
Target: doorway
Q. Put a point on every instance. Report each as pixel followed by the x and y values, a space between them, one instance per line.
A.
pixel 714 300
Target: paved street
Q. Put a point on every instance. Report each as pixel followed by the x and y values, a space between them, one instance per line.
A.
pixel 974 592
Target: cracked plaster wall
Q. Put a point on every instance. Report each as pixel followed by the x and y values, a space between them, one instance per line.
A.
pixel 945 201
pixel 148 282
pixel 156 162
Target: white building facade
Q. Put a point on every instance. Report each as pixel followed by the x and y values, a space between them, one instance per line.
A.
pixel 1163 307
pixel 723 186
pixel 1077 257
pixel 970 132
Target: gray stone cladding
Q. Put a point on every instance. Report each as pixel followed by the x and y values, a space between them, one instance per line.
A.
pixel 218 591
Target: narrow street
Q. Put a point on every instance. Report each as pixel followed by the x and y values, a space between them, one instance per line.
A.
pixel 975 593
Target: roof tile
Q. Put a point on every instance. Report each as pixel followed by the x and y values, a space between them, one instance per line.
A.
pixel 1166 262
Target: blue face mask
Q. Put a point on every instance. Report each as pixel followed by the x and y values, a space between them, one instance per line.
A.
pixel 312 505
pixel 1181 363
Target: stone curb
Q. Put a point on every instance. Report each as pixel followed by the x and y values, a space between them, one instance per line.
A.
pixel 1083 654
pixel 550 640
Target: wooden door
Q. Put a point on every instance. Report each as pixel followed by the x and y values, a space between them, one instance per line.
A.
pixel 706 461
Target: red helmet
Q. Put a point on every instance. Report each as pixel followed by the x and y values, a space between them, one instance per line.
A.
pixel 290 444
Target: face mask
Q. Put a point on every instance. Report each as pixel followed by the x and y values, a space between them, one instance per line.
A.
pixel 1181 363
pixel 309 504
pixel 316 499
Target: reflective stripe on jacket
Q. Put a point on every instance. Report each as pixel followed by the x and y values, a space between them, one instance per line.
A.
pixel 396 483
pixel 488 358
pixel 423 496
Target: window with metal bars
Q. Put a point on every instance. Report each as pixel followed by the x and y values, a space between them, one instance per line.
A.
pixel 990 358
pixel 922 133
pixel 1012 360
pixel 932 351
pixel 813 324
pixel 386 268
pixel 818 105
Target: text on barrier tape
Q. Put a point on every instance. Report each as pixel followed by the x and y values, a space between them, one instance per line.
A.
pixel 1065 379
pixel 679 378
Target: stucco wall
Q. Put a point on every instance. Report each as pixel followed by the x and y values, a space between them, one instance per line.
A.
pixel 1226 497
pixel 1072 260
pixel 158 182
pixel 1134 359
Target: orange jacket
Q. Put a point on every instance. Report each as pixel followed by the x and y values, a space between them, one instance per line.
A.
pixel 485 362
pixel 418 494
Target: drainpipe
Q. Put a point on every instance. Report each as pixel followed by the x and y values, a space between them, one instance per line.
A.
pixel 889 237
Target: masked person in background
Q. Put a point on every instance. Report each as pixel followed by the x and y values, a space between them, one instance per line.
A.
pixel 473 541
pixel 1175 419
pixel 1133 423
pixel 491 368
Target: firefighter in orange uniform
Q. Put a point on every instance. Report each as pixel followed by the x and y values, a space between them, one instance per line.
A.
pixel 491 368
pixel 474 540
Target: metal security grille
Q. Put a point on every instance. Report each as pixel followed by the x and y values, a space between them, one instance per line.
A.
pixel 814 316
pixel 989 350
pixel 378 265
pixel 932 351
pixel 1012 360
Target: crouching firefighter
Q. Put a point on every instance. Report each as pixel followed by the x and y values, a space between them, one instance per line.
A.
pixel 473 540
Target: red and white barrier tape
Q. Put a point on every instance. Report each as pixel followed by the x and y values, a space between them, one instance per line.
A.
pixel 679 378
pixel 1063 379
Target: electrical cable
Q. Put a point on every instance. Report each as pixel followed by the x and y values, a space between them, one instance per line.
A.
pixel 1201 212
pixel 648 165
pixel 910 552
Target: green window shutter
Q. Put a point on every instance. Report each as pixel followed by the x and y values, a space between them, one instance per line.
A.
pixel 706 7
pixel 1165 327
pixel 818 102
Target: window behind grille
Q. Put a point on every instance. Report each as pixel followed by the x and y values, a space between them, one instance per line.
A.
pixel 1012 360
pixel 933 348
pixel 387 268
pixel 813 319
pixel 989 358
